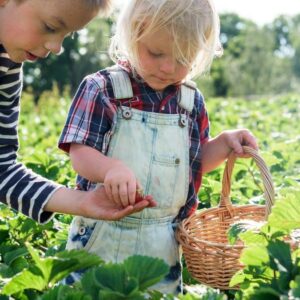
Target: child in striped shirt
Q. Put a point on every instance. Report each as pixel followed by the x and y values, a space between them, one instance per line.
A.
pixel 30 30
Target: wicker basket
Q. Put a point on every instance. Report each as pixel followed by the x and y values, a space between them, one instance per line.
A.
pixel 209 257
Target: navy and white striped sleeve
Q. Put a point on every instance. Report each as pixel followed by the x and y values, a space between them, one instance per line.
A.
pixel 20 188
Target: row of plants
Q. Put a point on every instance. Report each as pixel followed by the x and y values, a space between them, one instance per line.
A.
pixel 32 257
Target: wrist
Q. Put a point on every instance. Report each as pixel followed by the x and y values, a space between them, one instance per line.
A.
pixel 65 200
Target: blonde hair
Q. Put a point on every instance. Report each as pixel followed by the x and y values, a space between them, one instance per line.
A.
pixel 193 24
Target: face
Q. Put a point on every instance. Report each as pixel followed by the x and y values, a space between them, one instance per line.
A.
pixel 31 29
pixel 159 67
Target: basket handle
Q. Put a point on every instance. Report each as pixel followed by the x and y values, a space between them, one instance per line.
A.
pixel 264 172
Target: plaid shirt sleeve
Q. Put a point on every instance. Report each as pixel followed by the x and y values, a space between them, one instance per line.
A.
pixel 90 116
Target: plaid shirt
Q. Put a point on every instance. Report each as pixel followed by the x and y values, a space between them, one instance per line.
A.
pixel 93 112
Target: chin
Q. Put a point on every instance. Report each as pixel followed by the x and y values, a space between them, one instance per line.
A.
pixel 158 87
pixel 16 58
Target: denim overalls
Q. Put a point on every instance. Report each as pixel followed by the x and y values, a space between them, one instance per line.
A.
pixel 156 147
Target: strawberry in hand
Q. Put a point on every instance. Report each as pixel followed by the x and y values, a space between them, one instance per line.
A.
pixel 140 196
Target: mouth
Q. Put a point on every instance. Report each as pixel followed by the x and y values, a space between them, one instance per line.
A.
pixel 30 56
pixel 162 79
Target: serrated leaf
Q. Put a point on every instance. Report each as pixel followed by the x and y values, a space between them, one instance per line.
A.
pixel 89 284
pixel 286 212
pixel 25 280
pixel 112 295
pixel 280 254
pixel 19 265
pixel 242 226
pixel 237 278
pixel 47 271
pixel 265 293
pixel 64 292
pixel 12 255
pixel 255 255
pixel 67 262
pixel 147 270
pixel 114 277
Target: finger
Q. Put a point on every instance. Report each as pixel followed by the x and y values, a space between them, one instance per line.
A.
pixel 123 194
pixel 237 148
pixel 115 194
pixel 131 192
pixel 108 192
pixel 152 202
pixel 249 139
pixel 140 205
pixel 138 185
pixel 119 214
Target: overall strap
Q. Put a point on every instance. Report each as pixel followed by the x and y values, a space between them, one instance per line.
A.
pixel 186 97
pixel 122 88
pixel 121 83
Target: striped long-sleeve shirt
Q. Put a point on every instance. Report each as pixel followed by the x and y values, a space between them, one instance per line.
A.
pixel 20 188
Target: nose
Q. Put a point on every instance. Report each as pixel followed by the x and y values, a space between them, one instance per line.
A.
pixel 54 46
pixel 168 66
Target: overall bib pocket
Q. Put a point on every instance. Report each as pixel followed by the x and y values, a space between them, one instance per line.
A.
pixel 163 179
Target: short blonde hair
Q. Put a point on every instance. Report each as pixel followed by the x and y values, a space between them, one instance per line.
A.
pixel 193 24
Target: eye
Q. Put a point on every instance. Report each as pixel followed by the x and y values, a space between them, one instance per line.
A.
pixel 154 54
pixel 49 28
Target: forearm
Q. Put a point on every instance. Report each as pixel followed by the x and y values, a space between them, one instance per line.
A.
pixel 65 200
pixel 90 163
pixel 27 192
pixel 214 152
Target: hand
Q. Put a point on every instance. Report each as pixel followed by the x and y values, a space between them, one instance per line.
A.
pixel 96 205
pixel 235 139
pixel 121 184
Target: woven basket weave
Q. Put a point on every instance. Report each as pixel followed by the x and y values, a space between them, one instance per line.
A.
pixel 209 257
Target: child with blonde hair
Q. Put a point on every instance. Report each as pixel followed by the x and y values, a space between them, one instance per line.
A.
pixel 31 30
pixel 142 124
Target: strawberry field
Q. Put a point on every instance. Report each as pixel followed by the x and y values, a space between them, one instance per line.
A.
pixel 32 257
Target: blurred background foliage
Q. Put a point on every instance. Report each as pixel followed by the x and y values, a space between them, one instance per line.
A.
pixel 257 60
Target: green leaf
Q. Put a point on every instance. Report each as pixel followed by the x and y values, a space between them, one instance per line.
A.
pixel 112 295
pixel 295 285
pixel 114 277
pixel 89 283
pixel 237 278
pixel 255 255
pixel 264 294
pixel 66 262
pixel 65 292
pixel 280 256
pixel 47 271
pixel 32 279
pixel 12 255
pixel 147 270
pixel 242 226
pixel 286 212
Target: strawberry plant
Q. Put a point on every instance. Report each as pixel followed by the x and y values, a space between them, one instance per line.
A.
pixel 32 259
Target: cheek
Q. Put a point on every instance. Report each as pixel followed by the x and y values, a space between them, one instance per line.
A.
pixel 148 64
pixel 182 72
